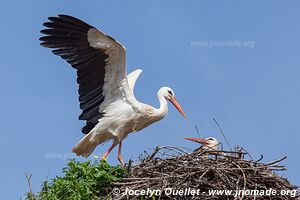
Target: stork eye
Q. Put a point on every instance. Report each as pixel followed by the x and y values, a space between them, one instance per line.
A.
pixel 170 92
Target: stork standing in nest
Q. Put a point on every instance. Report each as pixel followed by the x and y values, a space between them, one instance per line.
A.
pixel 106 95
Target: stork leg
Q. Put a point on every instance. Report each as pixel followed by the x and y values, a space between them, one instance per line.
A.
pixel 120 158
pixel 108 151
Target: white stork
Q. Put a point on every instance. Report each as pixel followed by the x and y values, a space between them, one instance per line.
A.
pixel 105 90
pixel 208 144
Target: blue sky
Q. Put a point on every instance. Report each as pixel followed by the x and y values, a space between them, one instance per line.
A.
pixel 253 91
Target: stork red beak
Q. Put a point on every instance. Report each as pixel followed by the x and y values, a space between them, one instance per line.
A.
pixel 177 105
pixel 199 140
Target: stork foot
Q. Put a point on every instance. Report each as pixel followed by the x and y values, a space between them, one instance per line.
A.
pixel 121 161
pixel 108 152
pixel 103 158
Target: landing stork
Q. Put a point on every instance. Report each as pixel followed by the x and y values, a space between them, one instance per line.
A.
pixel 106 96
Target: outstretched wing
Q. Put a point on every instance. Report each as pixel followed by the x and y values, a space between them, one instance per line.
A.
pixel 100 63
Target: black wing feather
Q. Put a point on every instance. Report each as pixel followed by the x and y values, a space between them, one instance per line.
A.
pixel 68 36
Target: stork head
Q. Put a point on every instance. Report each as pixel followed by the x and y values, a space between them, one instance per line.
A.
pixel 209 143
pixel 169 94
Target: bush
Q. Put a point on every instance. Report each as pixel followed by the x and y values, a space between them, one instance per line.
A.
pixel 81 180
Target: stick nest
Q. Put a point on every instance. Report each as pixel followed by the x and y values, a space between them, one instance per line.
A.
pixel 182 169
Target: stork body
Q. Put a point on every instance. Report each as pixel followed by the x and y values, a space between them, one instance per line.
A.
pixel 119 122
pixel 106 95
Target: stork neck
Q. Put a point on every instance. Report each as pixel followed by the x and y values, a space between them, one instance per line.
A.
pixel 163 108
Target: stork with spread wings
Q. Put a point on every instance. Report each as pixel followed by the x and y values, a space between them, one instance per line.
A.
pixel 106 96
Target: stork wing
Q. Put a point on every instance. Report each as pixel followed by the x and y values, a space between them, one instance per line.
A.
pixel 99 60
pixel 132 78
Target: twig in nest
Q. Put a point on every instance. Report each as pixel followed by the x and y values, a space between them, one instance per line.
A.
pixel 222 133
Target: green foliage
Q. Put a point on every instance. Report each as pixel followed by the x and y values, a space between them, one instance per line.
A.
pixel 85 181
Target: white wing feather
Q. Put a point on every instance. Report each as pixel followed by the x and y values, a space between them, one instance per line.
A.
pixel 132 78
pixel 116 89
